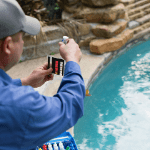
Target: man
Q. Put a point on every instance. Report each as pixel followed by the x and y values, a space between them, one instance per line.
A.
pixel 28 119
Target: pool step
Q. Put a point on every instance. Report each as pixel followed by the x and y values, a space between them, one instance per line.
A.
pixel 139 16
pixel 140 28
pixel 141 33
pixel 138 9
pixel 137 4
pixel 143 20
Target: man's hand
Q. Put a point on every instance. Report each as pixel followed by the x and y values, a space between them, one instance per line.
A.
pixel 39 76
pixel 70 51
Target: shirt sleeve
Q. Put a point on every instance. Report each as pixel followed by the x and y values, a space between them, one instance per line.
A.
pixel 17 82
pixel 51 116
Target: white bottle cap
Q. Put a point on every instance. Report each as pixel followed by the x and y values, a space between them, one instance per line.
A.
pixel 65 37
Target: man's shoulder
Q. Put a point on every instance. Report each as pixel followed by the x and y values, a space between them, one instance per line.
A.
pixel 18 96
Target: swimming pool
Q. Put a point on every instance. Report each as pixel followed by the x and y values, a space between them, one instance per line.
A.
pixel 117 115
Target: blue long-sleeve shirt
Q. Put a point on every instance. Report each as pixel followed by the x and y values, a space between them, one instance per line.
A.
pixel 28 119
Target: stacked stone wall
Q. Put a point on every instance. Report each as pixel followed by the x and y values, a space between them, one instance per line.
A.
pixel 108 20
pixel 99 26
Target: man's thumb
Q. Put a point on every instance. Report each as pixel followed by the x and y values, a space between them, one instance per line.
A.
pixel 61 43
pixel 48 71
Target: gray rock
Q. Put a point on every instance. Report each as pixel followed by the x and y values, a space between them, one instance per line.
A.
pixel 101 15
pixel 133 24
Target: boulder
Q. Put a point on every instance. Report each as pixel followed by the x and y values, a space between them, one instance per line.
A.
pixel 83 29
pixel 126 2
pixel 101 46
pixel 53 32
pixel 86 42
pixel 62 3
pixel 101 15
pixel 99 3
pixel 72 2
pixel 72 9
pixel 110 30
pixel 66 15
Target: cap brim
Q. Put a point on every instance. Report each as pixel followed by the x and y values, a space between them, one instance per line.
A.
pixel 31 26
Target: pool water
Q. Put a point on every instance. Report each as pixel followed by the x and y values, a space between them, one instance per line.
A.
pixel 117 115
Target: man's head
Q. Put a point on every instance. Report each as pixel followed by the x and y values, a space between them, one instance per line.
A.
pixel 11 49
pixel 13 23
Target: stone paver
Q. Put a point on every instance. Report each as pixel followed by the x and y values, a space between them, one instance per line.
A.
pixel 141 33
pixel 143 19
pixel 138 9
pixel 137 4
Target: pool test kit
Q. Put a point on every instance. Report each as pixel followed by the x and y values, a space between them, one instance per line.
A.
pixel 62 142
pixel 58 64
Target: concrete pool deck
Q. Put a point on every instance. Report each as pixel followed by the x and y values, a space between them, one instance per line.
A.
pixel 89 65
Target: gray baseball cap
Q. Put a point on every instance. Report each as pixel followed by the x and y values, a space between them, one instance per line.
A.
pixel 13 20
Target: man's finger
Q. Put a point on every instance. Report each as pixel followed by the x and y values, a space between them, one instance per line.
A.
pixel 61 43
pixel 49 66
pixel 48 71
pixel 67 41
pixel 50 77
pixel 44 65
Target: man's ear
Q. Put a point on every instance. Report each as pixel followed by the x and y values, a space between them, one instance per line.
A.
pixel 8 45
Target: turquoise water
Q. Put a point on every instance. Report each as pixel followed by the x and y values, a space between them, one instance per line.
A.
pixel 117 115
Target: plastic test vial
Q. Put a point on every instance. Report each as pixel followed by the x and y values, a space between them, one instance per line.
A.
pixel 61 147
pixel 55 146
pixel 68 148
pixel 50 147
pixel 65 42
